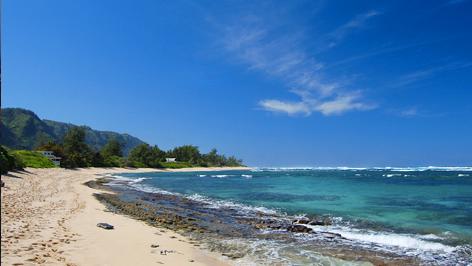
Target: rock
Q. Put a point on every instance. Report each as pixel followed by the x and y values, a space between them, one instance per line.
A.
pixel 154 246
pixel 298 228
pixel 301 221
pixel 325 221
pixel 105 226
pixel 271 224
pixel 330 235
pixel 233 255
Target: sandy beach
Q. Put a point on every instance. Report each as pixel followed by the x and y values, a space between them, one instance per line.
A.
pixel 49 217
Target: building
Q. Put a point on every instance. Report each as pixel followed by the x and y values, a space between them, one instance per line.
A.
pixel 50 155
pixel 170 160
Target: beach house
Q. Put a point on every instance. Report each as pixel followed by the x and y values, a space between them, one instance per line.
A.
pixel 170 160
pixel 50 155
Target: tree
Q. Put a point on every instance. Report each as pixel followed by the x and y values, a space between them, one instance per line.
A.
pixel 186 153
pixel 76 151
pixel 144 155
pixel 97 160
pixel 139 154
pixel 212 158
pixel 156 157
pixel 233 161
pixel 57 149
pixel 112 148
pixel 9 161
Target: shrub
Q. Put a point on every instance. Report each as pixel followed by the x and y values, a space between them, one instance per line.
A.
pixel 114 161
pixel 176 165
pixel 33 159
pixel 9 161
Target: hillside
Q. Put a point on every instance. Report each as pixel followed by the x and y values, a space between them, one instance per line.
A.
pixel 23 129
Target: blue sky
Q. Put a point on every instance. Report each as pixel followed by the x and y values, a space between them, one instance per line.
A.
pixel 281 83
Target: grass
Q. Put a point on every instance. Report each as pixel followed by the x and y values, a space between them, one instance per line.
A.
pixel 33 159
pixel 176 165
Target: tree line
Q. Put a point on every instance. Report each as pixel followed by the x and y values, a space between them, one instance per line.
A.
pixel 75 152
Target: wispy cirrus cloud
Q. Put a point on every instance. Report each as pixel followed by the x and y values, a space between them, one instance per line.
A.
pixel 422 74
pixel 357 22
pixel 282 56
pixel 287 107
pixel 409 112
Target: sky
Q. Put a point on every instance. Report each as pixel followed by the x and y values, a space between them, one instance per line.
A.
pixel 276 83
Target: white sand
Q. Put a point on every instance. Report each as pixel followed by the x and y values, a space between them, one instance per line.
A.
pixel 49 216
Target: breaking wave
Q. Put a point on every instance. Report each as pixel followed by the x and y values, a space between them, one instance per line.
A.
pixel 343 168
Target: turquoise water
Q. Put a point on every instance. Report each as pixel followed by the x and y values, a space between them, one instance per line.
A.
pixel 423 209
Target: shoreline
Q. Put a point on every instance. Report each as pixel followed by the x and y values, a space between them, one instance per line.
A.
pixel 50 216
pixel 228 231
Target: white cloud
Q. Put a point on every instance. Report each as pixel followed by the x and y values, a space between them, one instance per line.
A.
pixel 426 73
pixel 355 23
pixel 290 108
pixel 343 104
pixel 307 105
pixel 280 54
pixel 413 111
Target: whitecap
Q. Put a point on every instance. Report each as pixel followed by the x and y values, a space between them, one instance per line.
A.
pixel 220 176
pixel 242 208
pixel 391 175
pixel 404 241
pixel 345 168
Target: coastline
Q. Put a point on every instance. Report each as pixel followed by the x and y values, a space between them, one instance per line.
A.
pixel 50 216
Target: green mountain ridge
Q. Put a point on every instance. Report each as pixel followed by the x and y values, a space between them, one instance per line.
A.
pixel 23 129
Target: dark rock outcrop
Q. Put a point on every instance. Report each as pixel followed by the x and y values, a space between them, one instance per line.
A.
pixel 298 228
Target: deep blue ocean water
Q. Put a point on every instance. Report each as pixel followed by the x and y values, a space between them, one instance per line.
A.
pixel 424 209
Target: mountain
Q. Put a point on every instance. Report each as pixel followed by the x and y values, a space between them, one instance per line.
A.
pixel 23 129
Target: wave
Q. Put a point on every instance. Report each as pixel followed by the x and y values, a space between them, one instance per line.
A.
pixel 134 183
pixel 242 208
pixel 221 176
pixel 127 179
pixel 344 168
pixel 224 176
pixel 391 175
pixel 417 244
pixel 386 239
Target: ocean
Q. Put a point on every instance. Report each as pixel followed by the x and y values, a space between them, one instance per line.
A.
pixel 422 215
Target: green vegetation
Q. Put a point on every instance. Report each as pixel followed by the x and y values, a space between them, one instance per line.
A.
pixel 77 152
pixel 52 146
pixel 84 147
pixel 214 159
pixel 114 161
pixel 186 153
pixel 112 148
pixel 33 159
pixel 146 156
pixel 176 165
pixel 186 156
pixel 24 130
pixel 9 161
